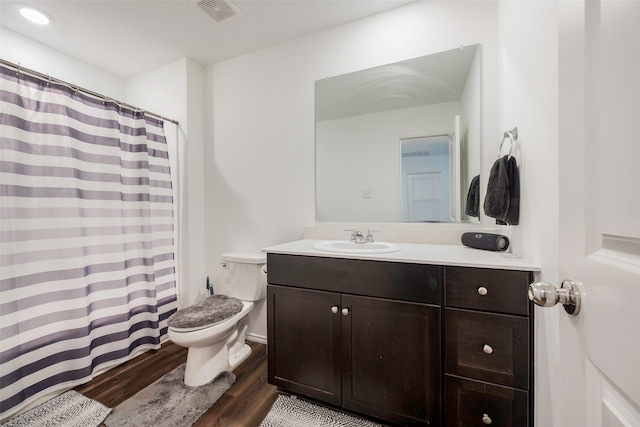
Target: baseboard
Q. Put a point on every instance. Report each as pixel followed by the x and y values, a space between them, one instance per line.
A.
pixel 256 338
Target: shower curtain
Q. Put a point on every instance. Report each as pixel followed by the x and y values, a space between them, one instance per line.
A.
pixel 87 274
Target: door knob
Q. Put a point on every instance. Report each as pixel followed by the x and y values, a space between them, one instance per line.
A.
pixel 334 309
pixel 546 295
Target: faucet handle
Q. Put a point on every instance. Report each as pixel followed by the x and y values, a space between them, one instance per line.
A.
pixel 370 232
pixel 354 233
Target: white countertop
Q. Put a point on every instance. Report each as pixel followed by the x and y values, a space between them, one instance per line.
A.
pixel 417 253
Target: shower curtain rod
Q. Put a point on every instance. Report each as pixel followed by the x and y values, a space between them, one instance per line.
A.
pixel 20 69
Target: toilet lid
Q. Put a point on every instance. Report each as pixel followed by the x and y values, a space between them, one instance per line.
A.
pixel 211 310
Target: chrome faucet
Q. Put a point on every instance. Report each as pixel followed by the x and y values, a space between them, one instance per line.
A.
pixel 357 236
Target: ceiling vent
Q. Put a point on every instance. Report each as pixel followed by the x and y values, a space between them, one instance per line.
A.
pixel 219 10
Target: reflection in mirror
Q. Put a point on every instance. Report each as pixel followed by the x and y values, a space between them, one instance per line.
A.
pixel 399 142
pixel 425 182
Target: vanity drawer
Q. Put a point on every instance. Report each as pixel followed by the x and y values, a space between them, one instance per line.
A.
pixel 487 347
pixel 393 280
pixel 474 403
pixel 502 291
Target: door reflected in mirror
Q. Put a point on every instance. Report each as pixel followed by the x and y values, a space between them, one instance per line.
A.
pixel 367 123
pixel 425 178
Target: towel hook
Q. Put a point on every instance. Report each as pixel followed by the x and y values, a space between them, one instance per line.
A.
pixel 512 135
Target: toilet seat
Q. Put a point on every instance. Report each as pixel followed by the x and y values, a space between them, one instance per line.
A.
pixel 197 328
pixel 209 312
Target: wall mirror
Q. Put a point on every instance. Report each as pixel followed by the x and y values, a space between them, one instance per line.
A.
pixel 399 142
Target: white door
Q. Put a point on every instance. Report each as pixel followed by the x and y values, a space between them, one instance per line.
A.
pixel 599 348
pixel 424 196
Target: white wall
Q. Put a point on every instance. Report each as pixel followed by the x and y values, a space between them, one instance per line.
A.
pixel 38 57
pixel 529 100
pixel 260 136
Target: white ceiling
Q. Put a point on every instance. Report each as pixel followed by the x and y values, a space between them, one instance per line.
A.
pixel 431 79
pixel 128 38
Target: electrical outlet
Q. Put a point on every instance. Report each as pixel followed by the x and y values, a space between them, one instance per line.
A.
pixel 367 194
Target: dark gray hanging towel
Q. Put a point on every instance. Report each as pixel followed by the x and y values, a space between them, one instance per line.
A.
pixel 502 200
pixel 473 198
pixel 513 213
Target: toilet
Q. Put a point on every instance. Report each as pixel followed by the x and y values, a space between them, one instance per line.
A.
pixel 214 329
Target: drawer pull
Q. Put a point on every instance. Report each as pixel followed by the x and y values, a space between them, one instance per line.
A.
pixel 482 290
pixel 334 309
pixel 345 311
pixel 486 419
pixel 487 349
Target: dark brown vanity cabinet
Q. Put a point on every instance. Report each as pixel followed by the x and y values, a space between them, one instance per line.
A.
pixel 409 344
pixel 488 347
pixel 358 334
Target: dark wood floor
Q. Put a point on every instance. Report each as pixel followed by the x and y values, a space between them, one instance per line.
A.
pixel 245 404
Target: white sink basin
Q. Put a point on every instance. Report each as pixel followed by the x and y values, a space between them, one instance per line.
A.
pixel 344 247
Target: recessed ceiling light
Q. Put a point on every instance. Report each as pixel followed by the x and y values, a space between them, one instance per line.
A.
pixel 33 14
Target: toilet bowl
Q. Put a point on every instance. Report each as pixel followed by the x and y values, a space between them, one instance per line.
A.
pixel 213 332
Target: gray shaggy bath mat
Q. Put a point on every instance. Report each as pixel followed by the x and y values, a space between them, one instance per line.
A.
pixel 289 411
pixel 69 409
pixel 169 402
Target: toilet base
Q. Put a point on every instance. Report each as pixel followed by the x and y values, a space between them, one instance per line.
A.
pixel 239 356
pixel 205 363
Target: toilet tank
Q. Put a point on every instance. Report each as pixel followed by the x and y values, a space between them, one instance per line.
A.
pixel 245 275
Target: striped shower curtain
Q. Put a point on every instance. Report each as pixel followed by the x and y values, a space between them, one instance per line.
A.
pixel 87 251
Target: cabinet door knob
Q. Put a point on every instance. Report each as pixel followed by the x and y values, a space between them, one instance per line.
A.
pixel 334 309
pixel 345 311
pixel 486 419
pixel 482 290
pixel 487 349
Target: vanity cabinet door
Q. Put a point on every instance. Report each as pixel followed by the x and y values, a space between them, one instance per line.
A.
pixel 303 331
pixel 391 360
